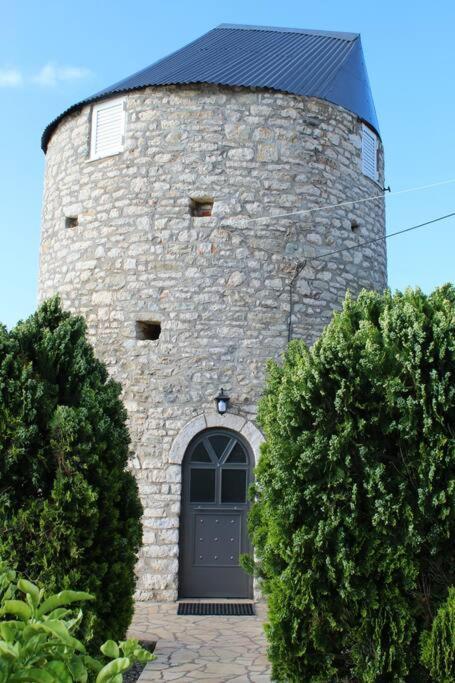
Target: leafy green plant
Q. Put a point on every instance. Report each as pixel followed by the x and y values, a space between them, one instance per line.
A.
pixel 69 509
pixel 353 519
pixel 37 642
pixel 438 644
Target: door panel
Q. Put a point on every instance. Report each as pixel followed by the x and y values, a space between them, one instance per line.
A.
pixel 217 539
pixel 213 526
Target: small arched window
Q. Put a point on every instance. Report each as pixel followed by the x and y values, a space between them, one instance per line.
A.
pixel 218 466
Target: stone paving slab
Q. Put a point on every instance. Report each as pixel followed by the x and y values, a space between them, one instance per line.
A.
pixel 202 648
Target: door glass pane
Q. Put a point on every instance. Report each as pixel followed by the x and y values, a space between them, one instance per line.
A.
pixel 219 443
pixel 233 486
pixel 237 454
pixel 202 486
pixel 200 454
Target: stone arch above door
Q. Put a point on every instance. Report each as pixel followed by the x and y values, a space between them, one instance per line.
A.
pixel 228 421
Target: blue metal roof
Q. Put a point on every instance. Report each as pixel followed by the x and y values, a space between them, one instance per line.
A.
pixel 323 64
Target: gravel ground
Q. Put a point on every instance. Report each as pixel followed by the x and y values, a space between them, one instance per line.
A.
pixel 133 674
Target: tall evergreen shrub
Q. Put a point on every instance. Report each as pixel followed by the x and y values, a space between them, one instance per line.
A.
pixel 69 510
pixel 354 519
pixel 438 645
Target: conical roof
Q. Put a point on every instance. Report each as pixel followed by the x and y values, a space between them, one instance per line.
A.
pixel 324 64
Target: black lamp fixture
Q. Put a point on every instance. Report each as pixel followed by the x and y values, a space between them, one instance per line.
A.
pixel 222 402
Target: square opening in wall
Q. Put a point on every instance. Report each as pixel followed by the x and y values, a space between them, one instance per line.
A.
pixel 355 227
pixel 148 329
pixel 201 206
pixel 71 222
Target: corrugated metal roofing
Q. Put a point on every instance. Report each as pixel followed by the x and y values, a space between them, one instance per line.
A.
pixel 297 61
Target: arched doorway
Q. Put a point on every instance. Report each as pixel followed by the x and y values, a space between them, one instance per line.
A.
pixel 217 470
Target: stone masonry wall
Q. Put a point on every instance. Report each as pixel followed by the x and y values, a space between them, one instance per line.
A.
pixel 219 284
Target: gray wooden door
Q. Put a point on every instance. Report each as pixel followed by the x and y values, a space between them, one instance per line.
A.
pixel 213 522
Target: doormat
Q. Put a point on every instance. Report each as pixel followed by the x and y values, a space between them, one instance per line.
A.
pixel 216 609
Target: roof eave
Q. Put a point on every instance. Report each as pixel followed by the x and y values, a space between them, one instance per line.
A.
pixel 342 79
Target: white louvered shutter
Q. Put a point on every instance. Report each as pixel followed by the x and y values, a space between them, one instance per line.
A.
pixel 108 127
pixel 369 153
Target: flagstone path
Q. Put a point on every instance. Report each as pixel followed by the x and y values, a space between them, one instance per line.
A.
pixel 202 649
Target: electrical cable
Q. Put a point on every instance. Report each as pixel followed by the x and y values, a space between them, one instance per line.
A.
pixel 348 203
pixel 380 239
pixel 301 264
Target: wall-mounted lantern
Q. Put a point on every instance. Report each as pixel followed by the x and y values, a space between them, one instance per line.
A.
pixel 222 402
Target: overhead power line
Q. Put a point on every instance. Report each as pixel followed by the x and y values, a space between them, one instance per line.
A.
pixel 369 198
pixel 380 239
pixel 301 265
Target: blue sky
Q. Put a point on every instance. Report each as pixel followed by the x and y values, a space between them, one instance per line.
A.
pixel 54 53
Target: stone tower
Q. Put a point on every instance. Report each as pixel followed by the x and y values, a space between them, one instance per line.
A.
pixel 163 226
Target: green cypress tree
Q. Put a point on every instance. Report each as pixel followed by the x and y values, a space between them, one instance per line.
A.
pixel 69 509
pixel 354 515
pixel 438 644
